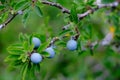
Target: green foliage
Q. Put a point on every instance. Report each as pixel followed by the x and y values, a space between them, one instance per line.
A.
pixel 2 7
pixel 21 4
pixel 38 11
pixel 25 16
pixel 43 46
pixel 73 15
pixel 73 65
pixel 20 56
pixel 107 1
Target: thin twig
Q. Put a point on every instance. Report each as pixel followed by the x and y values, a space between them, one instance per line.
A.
pixel 64 10
pixel 99 6
pixel 11 17
pixel 53 41
pixel 77 33
pixel 81 16
pixel 8 21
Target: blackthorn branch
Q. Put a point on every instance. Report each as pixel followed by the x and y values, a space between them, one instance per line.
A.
pixel 64 10
pixel 33 55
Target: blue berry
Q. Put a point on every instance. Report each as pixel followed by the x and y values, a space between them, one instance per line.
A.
pixel 36 58
pixel 51 52
pixel 72 45
pixel 36 41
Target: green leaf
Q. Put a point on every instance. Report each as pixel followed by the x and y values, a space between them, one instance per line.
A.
pixel 43 46
pixel 81 52
pixel 26 37
pixel 38 11
pixel 23 57
pixel 2 7
pixel 90 2
pixel 45 54
pixel 79 45
pixel 16 52
pixel 26 45
pixel 73 15
pixel 31 47
pixel 107 1
pixel 91 52
pixel 21 37
pixel 65 31
pixel 11 58
pixel 21 4
pixel 24 72
pixel 16 63
pixel 25 17
pixel 15 49
pixel 12 48
pixel 30 39
pixel 17 45
pixel 2 1
pixel 22 68
pixel 42 37
pixel 37 67
pixel 31 73
pixel 62 43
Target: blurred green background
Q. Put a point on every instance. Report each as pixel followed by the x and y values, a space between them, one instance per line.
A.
pixel 67 65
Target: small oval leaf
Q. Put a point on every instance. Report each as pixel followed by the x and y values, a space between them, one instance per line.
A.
pixel 38 11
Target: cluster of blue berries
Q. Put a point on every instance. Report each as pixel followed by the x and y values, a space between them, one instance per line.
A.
pixel 37 58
